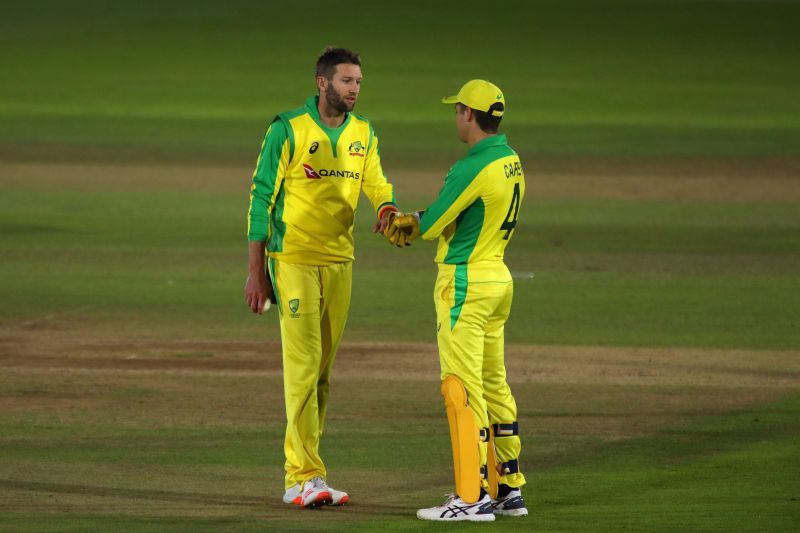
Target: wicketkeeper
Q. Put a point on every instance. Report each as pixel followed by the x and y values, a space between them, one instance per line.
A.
pixel 474 218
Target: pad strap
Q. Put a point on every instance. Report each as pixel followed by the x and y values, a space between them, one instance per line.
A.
pixel 509 467
pixel 484 436
pixel 506 430
pixel 484 472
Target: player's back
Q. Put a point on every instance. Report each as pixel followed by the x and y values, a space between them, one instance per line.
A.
pixel 502 186
pixel 476 213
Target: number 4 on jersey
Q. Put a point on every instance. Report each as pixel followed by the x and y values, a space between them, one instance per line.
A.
pixel 513 211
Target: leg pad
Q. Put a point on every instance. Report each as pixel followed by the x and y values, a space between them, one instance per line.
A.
pixel 464 437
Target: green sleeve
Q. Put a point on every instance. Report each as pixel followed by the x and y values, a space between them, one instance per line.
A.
pixel 272 161
pixel 375 185
pixel 450 202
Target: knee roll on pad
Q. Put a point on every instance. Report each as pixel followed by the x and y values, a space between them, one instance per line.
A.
pixel 464 438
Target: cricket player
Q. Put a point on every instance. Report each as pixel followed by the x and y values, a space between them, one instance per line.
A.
pixel 474 219
pixel 314 162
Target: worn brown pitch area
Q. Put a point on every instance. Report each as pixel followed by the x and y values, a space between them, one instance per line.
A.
pixel 141 400
pixel 702 378
pixel 767 179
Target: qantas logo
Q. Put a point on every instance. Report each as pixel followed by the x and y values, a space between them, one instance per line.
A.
pixel 310 172
pixel 333 173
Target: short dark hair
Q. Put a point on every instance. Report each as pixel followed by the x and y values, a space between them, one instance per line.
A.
pixel 332 56
pixel 487 122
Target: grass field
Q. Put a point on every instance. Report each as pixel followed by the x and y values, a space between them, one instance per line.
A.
pixel 654 343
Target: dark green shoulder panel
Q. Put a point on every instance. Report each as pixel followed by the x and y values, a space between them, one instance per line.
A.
pixel 289 115
pixel 473 164
pixel 285 117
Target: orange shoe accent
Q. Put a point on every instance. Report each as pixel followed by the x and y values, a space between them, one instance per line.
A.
pixel 323 498
pixel 297 501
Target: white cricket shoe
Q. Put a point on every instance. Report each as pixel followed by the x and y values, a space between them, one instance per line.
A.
pixel 292 495
pixel 510 503
pixel 315 493
pixel 455 509
pixel 338 497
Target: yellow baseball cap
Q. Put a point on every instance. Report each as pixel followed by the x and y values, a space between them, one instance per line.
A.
pixel 480 95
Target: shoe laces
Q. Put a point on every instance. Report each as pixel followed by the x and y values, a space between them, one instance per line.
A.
pixel 318 483
pixel 449 498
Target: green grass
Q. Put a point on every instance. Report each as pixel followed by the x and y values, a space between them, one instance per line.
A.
pixel 90 267
pixel 616 77
pixel 606 272
pixel 733 473
pixel 111 467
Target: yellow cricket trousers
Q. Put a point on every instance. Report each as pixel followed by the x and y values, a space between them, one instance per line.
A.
pixel 313 303
pixel 473 302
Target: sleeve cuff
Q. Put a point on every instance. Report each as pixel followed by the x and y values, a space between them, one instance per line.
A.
pixel 385 208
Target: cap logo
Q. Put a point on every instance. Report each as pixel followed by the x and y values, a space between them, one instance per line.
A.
pixel 500 96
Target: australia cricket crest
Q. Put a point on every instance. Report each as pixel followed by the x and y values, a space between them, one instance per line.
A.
pixel 357 149
pixel 294 305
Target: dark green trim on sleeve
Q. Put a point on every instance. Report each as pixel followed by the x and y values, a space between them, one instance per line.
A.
pixel 461 176
pixel 265 177
pixel 468 228
pixel 371 134
pixel 290 132
pixel 276 223
pixel 455 183
pixel 286 118
pixel 384 205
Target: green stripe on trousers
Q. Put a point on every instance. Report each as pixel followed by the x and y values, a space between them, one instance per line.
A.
pixel 461 294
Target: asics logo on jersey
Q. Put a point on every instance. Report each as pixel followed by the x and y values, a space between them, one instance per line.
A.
pixel 310 172
pixel 314 147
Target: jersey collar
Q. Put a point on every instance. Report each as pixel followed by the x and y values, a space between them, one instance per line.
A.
pixel 312 103
pixel 494 140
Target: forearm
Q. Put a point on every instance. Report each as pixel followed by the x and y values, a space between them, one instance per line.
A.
pixel 257 256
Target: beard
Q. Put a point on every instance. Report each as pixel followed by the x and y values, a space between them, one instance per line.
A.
pixel 336 101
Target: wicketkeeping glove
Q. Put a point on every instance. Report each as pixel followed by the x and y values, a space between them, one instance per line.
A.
pixel 402 228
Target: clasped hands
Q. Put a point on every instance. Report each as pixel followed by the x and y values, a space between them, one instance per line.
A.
pixel 401 228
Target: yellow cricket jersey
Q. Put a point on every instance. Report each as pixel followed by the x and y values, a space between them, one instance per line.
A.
pixel 476 211
pixel 306 185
